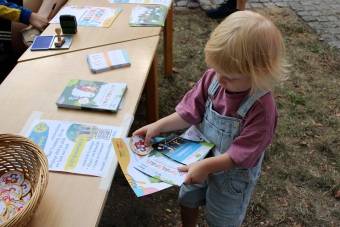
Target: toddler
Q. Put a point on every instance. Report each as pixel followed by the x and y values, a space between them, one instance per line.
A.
pixel 236 111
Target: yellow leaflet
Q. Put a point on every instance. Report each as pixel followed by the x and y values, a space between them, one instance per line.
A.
pixel 123 156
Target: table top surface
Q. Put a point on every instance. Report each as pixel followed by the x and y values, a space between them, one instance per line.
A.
pixel 36 85
pixel 88 37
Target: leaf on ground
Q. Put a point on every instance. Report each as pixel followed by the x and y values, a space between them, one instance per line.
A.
pixel 337 194
pixel 317 124
pixel 191 84
pixel 324 168
pixel 175 70
pixel 166 216
pixel 279 199
pixel 184 41
pixel 303 142
pixel 304 122
pixel 289 191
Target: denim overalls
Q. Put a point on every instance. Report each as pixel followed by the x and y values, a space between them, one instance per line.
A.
pixel 227 193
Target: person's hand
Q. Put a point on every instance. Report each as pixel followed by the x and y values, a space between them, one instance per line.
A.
pixel 170 123
pixel 196 173
pixel 148 132
pixel 39 22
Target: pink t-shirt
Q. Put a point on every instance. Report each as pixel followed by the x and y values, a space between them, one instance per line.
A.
pixel 258 127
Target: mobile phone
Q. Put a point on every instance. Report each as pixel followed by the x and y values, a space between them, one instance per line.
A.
pixel 68 24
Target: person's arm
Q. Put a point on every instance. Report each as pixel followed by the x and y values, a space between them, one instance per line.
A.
pixel 13 12
pixel 170 123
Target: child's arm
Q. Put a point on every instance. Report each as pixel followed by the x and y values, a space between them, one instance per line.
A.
pixel 170 123
pixel 199 171
pixel 38 21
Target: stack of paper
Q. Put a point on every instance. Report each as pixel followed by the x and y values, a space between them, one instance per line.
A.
pixel 100 62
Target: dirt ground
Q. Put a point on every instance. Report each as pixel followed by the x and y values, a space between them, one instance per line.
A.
pixel 299 185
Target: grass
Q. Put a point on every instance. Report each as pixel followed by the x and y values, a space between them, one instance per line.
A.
pixel 300 181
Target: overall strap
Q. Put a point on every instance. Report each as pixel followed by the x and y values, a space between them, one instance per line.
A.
pixel 248 103
pixel 213 88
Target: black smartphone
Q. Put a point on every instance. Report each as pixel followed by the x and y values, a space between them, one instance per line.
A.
pixel 68 24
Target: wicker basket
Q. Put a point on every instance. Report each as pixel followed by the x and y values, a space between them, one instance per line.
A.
pixel 21 154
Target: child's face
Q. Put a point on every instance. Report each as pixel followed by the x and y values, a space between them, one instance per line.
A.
pixel 233 83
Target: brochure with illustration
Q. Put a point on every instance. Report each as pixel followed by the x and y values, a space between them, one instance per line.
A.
pixel 169 154
pixel 74 147
pixel 182 150
pixel 140 183
pixel 104 61
pixel 162 168
pixel 93 95
pixel 148 15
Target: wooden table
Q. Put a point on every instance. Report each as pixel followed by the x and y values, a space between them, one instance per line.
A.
pixel 119 31
pixel 70 199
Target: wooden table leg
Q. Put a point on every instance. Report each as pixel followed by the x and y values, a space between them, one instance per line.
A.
pixel 152 93
pixel 168 38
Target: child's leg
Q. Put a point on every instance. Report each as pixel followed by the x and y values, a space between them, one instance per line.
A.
pixel 33 5
pixel 17 42
pixel 241 4
pixel 191 197
pixel 189 216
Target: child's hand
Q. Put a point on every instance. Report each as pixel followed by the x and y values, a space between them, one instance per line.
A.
pixel 196 173
pixel 166 124
pixel 39 22
pixel 148 131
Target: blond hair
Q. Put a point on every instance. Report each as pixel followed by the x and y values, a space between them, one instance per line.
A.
pixel 247 43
